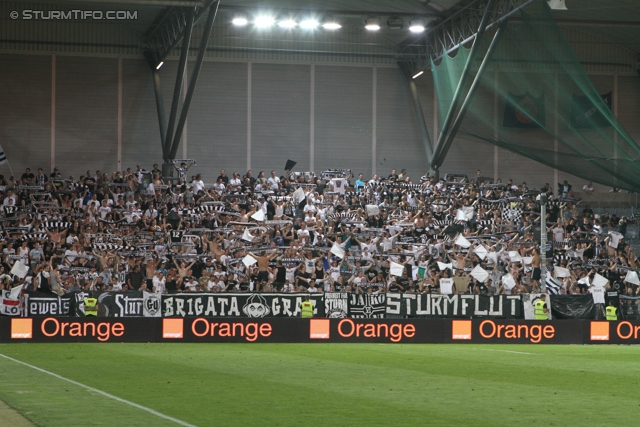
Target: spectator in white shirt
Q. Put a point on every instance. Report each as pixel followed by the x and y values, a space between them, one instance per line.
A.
pixel 588 188
pixel 197 184
pixel 273 181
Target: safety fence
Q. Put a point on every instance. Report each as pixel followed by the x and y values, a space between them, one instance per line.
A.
pixel 328 305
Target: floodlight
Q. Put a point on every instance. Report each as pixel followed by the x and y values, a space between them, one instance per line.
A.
pixel 287 23
pixel 331 24
pixel 309 24
pixel 159 65
pixel 418 74
pixel 264 21
pixel 240 21
pixel 372 24
pixel 416 26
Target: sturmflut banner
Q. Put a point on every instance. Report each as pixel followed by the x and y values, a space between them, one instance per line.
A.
pixel 438 306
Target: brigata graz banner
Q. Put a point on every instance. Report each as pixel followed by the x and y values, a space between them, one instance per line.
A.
pixel 239 305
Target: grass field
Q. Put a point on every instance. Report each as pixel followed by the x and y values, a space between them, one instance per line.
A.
pixel 318 385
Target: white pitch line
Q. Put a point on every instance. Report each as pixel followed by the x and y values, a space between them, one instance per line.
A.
pixel 135 405
pixel 506 351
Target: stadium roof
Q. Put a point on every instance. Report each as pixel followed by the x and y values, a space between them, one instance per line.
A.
pixel 617 21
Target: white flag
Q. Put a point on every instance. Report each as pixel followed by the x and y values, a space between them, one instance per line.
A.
pixel 632 277
pixel 337 250
pixel 468 212
pixel 460 215
pixel 614 238
pixel 19 269
pixel 298 195
pixel 249 260
pixel 508 282
pixel 562 272
pixel 493 256
pixel 585 281
pixel 479 274
pixel 462 242
pixel 373 210
pixel 443 266
pixel 396 269
pixel 514 256
pixel 481 251
pixel 15 292
pixel 247 236
pixel 599 281
pixel 259 215
pixel 3 157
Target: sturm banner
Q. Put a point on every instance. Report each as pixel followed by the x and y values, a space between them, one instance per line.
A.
pixel 336 305
pixel 428 305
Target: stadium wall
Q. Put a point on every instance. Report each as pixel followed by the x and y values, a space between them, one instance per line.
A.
pixel 99 112
pixel 198 329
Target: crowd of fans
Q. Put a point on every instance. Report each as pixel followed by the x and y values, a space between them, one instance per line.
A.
pixel 138 230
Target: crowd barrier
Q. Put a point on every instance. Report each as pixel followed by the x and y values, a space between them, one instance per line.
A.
pixel 329 305
pixel 316 330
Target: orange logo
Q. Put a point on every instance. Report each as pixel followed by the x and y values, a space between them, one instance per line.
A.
pixel 599 331
pixel 319 329
pixel 172 328
pixel 461 330
pixel 21 328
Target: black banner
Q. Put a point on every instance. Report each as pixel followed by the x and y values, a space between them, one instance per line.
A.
pixel 239 305
pixel 110 304
pixel 330 305
pixel 572 307
pixel 47 304
pixel 629 308
pixel 585 114
pixel 367 305
pixel 434 306
pixel 336 305
pixel 524 111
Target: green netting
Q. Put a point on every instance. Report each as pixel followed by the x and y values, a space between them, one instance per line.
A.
pixel 548 109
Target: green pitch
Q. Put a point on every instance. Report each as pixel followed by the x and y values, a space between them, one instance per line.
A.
pixel 323 385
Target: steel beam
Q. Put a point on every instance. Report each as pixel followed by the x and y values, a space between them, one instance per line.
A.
pixel 168 31
pixel 177 90
pixel 455 31
pixel 438 156
pixel 417 108
pixel 202 49
pixel 162 120
pixel 465 105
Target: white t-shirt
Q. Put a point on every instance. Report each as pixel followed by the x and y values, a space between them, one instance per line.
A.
pixel 338 185
pixel 159 284
pixel 558 234
pixel 597 292
pixel 446 286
